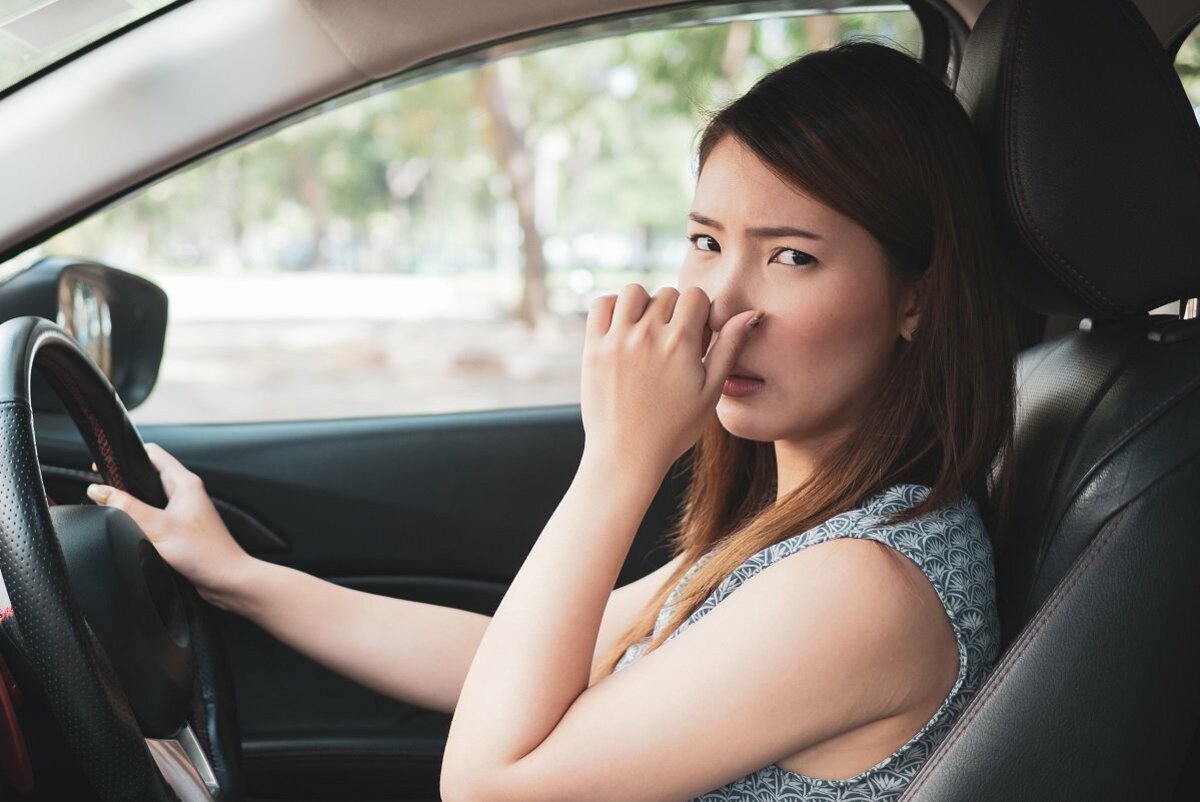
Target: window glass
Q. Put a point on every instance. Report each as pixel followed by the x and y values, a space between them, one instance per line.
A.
pixel 36 33
pixel 434 247
pixel 1187 64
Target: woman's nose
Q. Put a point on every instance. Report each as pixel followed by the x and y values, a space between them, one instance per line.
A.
pixel 728 291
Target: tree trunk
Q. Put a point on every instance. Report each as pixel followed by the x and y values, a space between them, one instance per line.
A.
pixel 500 89
pixel 225 224
pixel 822 31
pixel 737 47
pixel 314 197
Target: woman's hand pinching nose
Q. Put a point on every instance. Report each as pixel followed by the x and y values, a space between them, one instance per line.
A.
pixel 653 370
pixel 722 355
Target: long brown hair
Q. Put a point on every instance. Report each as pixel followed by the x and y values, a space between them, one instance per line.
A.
pixel 876 135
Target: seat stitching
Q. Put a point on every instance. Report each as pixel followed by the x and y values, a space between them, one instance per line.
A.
pixel 1118 441
pixel 994 683
pixel 1027 217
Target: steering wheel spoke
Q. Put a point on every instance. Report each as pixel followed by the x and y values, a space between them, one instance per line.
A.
pixel 185 765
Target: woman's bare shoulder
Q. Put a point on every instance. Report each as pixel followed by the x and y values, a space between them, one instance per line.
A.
pixel 884 597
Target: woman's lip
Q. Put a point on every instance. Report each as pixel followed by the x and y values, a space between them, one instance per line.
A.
pixel 740 386
pixel 742 373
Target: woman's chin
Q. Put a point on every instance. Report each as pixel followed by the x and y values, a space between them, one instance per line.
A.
pixel 744 423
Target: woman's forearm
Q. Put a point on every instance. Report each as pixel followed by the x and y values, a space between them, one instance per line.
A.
pixel 415 652
pixel 534 660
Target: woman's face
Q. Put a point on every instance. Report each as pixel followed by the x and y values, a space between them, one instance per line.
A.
pixel 832 319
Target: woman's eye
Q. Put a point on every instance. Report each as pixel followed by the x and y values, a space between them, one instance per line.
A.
pixel 703 242
pixel 791 256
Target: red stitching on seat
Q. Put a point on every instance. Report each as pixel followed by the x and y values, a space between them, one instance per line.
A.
pixel 6 614
pixel 994 682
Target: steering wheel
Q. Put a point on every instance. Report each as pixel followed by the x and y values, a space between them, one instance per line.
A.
pixel 125 651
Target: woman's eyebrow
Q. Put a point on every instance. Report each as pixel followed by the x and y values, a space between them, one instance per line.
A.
pixel 765 232
pixel 781 231
pixel 705 221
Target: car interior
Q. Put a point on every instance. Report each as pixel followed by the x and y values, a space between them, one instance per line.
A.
pixel 1093 153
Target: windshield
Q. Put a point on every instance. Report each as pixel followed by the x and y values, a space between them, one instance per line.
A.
pixel 36 33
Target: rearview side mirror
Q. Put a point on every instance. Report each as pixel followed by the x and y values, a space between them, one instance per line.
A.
pixel 118 318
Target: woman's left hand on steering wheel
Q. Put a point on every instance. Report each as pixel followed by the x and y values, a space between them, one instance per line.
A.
pixel 188 533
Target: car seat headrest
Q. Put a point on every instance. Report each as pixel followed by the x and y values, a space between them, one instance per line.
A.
pixel 1093 152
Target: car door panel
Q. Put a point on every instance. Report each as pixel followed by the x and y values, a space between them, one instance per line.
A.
pixel 438 508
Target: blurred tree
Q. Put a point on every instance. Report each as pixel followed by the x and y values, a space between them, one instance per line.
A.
pixel 588 148
pixel 501 95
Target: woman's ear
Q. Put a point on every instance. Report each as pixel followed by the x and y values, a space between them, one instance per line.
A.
pixel 911 301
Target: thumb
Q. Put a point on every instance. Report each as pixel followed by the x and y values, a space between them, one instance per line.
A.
pixel 107 496
pixel 724 352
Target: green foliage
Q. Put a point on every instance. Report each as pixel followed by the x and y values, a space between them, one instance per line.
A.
pixel 1187 64
pixel 409 179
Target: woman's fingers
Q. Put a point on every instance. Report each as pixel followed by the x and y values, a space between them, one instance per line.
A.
pixel 600 313
pixel 107 496
pixel 631 304
pixel 161 458
pixel 691 314
pixel 662 305
pixel 730 341
pixel 172 472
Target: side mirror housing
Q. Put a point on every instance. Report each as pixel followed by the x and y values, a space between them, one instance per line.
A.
pixel 118 318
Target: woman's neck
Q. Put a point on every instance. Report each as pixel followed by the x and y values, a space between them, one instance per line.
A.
pixel 796 461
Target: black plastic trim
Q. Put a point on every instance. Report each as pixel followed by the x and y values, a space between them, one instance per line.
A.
pixel 1176 43
pixel 943 36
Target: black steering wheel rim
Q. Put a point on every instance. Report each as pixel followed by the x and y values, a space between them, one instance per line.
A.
pixel 78 680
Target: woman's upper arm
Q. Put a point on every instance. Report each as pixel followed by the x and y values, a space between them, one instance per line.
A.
pixel 625 604
pixel 819 643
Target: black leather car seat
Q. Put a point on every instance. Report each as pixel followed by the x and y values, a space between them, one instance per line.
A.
pixel 1094 156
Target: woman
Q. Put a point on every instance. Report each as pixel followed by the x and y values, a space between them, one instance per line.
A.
pixel 838 359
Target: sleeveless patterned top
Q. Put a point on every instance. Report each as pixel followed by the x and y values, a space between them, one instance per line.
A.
pixel 952 549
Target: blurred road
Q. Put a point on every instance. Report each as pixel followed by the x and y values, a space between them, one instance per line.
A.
pixel 299 346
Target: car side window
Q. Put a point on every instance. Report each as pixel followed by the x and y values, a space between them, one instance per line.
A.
pixel 432 246
pixel 1187 64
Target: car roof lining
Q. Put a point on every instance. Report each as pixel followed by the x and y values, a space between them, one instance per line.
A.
pixel 211 71
pixel 380 38
pixel 361 28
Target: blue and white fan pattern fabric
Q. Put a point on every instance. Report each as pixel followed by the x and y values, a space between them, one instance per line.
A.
pixel 951 546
